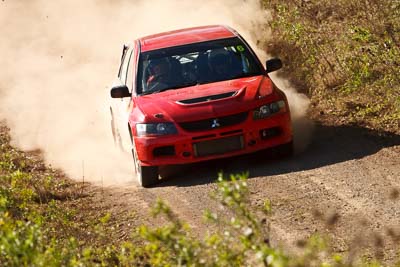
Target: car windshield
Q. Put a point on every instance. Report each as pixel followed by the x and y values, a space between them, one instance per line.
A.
pixel 200 63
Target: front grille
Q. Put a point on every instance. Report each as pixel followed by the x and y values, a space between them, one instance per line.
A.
pixel 231 132
pixel 204 137
pixel 214 123
pixel 218 146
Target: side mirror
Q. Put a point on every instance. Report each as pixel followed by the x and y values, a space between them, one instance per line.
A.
pixel 120 91
pixel 273 64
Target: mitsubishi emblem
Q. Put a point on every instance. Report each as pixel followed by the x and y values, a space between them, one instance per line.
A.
pixel 215 123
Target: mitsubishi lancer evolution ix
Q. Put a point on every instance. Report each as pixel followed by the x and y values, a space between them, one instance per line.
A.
pixel 193 95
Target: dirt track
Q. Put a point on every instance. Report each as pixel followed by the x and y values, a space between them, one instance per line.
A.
pixel 345 186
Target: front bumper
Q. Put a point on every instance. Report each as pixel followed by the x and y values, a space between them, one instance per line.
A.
pixel 189 147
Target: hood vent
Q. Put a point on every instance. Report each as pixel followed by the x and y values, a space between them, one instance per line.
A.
pixel 207 98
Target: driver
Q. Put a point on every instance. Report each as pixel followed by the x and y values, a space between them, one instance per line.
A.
pixel 159 70
pixel 219 64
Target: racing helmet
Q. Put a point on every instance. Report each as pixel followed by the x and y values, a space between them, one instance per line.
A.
pixel 159 67
pixel 219 61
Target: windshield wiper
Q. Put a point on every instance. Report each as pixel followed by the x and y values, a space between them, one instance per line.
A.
pixel 222 78
pixel 151 92
pixel 180 86
pixel 244 75
pixel 171 88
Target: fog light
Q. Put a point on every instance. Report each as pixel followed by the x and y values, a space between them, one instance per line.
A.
pixel 270 133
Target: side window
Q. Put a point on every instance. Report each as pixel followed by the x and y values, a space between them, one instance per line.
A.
pixel 131 72
pixel 124 67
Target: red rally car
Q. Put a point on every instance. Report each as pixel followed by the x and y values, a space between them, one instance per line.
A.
pixel 193 95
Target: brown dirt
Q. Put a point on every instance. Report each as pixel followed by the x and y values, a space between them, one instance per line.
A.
pixel 344 186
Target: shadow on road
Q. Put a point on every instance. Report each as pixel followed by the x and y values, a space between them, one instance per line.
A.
pixel 330 145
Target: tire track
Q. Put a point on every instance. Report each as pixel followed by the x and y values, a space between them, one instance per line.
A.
pixel 340 187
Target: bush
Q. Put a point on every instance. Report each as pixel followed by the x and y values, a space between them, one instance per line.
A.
pixel 344 54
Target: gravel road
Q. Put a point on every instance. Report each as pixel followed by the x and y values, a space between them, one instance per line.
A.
pixel 345 186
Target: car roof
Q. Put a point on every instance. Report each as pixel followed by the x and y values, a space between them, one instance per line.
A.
pixel 185 36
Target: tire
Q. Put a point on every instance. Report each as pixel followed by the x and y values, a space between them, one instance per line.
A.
pixel 146 175
pixel 285 150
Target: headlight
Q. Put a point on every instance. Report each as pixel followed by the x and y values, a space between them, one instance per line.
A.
pixel 144 129
pixel 269 109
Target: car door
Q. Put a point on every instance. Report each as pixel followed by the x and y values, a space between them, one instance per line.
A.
pixel 121 107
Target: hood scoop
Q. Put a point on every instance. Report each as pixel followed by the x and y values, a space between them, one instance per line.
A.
pixel 207 98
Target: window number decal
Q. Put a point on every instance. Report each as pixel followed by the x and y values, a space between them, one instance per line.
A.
pixel 240 48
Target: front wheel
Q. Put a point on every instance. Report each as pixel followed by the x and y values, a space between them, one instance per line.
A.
pixel 286 150
pixel 146 175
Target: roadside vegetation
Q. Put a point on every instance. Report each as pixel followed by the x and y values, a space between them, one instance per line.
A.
pixel 345 55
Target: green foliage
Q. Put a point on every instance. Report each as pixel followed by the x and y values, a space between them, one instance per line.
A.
pixel 360 34
pixel 346 50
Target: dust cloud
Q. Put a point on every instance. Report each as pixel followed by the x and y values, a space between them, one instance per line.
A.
pixel 59 58
pixel 303 127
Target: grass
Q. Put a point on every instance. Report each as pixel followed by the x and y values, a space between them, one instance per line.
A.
pixel 345 55
pixel 45 218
